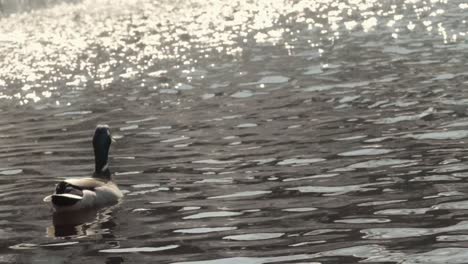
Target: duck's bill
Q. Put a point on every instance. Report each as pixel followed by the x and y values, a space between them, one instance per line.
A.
pixel 66 195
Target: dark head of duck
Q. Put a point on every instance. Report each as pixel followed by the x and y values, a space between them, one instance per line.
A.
pixel 101 144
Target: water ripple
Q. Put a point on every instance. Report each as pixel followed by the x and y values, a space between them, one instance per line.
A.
pixel 299 131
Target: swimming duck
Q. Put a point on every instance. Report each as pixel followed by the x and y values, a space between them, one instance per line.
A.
pixel 92 192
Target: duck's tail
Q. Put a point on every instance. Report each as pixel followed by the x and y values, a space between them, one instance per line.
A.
pixel 65 199
pixel 65 194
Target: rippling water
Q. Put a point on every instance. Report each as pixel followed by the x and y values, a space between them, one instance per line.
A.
pixel 247 131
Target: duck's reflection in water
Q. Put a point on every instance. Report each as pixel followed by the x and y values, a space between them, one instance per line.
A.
pixel 81 223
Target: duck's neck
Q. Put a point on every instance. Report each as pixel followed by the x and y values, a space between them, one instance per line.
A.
pixel 101 169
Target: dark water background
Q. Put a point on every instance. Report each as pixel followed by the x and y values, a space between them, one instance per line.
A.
pixel 247 131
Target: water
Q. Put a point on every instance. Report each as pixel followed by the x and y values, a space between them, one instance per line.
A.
pixel 246 132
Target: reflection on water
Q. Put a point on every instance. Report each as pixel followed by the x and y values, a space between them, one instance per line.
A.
pixel 246 132
pixel 80 223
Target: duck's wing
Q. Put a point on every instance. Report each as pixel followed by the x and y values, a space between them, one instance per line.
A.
pixel 68 193
pixel 65 191
pixel 72 189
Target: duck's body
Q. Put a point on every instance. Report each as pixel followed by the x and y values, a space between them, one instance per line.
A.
pixel 93 192
pixel 84 193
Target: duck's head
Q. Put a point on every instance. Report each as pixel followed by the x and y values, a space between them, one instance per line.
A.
pixel 101 144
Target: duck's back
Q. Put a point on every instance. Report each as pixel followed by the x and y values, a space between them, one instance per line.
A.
pixel 87 183
pixel 103 192
pixel 84 193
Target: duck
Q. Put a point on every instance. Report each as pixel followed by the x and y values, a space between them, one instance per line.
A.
pixel 93 192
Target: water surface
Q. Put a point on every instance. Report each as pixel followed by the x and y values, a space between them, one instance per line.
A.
pixel 246 132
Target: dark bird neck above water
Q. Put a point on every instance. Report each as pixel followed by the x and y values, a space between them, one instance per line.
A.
pixel 101 144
